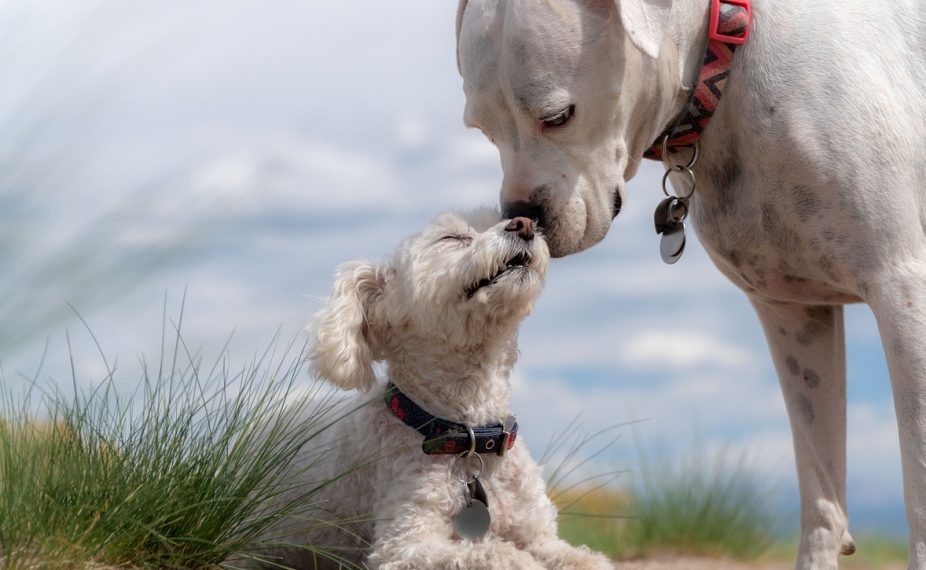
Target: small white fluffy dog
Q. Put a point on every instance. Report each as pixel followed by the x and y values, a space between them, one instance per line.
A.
pixel 443 315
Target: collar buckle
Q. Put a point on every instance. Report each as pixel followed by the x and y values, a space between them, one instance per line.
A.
pixel 509 424
pixel 714 22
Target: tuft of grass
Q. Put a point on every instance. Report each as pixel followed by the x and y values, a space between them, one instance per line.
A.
pixel 709 505
pixel 173 478
pixel 703 504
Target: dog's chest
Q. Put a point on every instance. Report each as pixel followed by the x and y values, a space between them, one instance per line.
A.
pixel 777 245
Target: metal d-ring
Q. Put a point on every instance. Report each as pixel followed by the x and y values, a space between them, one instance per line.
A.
pixel 482 467
pixel 472 442
pixel 691 175
pixel 677 167
pixel 670 168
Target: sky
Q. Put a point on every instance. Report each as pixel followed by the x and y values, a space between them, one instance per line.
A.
pixel 233 152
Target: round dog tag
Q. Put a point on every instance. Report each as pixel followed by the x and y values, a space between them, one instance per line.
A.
pixel 672 244
pixel 473 521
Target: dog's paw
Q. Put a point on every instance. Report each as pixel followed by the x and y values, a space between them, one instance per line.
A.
pixel 568 557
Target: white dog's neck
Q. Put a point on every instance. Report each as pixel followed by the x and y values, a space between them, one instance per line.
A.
pixel 687 34
pixel 468 387
pixel 670 78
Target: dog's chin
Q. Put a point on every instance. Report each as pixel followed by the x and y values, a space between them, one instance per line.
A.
pixel 515 285
pixel 516 270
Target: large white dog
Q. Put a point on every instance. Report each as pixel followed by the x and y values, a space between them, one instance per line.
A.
pixel 810 193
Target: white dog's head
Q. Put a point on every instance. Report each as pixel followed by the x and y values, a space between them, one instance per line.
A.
pixel 461 285
pixel 571 92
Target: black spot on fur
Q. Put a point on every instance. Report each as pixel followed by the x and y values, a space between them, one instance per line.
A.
pixel 727 177
pixel 805 202
pixel 733 258
pixel 898 347
pixel 730 174
pixel 794 279
pixel 811 331
pixel 811 378
pixel 820 313
pixel 782 332
pixel 805 408
pixel 793 366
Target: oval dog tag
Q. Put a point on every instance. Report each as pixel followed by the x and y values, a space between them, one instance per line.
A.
pixel 672 244
pixel 473 521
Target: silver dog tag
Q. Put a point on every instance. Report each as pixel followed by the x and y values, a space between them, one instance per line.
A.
pixel 473 521
pixel 669 223
pixel 672 245
pixel 477 491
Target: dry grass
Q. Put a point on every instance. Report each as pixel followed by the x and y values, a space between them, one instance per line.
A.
pixel 698 505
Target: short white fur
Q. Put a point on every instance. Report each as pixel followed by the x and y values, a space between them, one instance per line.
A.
pixel 810 194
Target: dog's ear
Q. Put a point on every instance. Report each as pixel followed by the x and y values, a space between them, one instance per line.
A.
pixel 460 9
pixel 345 343
pixel 645 22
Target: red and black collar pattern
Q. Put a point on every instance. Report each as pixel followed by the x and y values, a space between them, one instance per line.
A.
pixel 729 25
pixel 446 437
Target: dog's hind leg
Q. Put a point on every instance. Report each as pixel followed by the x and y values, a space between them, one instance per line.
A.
pixel 899 305
pixel 807 344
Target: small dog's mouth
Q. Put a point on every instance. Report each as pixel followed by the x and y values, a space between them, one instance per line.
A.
pixel 520 261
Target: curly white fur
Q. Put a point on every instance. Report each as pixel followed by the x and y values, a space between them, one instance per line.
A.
pixel 448 344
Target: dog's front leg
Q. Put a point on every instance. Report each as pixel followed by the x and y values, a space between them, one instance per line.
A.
pixel 807 344
pixel 898 301
pixel 427 550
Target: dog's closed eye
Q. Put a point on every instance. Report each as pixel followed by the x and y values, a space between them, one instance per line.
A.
pixel 460 238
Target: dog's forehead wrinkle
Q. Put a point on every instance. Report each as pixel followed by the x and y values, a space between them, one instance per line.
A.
pixel 538 87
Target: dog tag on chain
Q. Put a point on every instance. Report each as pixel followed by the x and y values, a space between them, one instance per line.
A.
pixel 672 245
pixel 477 491
pixel 668 221
pixel 473 521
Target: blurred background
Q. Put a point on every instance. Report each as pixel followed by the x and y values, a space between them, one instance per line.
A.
pixel 237 151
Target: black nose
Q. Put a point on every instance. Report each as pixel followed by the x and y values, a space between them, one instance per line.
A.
pixel 523 226
pixel 513 210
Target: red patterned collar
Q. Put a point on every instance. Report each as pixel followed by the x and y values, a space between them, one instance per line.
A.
pixel 730 21
pixel 444 437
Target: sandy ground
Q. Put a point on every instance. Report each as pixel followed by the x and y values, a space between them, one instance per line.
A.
pixel 671 562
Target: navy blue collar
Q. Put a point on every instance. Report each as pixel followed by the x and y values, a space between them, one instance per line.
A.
pixel 445 437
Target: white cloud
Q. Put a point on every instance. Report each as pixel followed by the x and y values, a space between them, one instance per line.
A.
pixel 664 350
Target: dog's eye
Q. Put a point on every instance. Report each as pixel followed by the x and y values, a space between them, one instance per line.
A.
pixel 463 239
pixel 561 118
